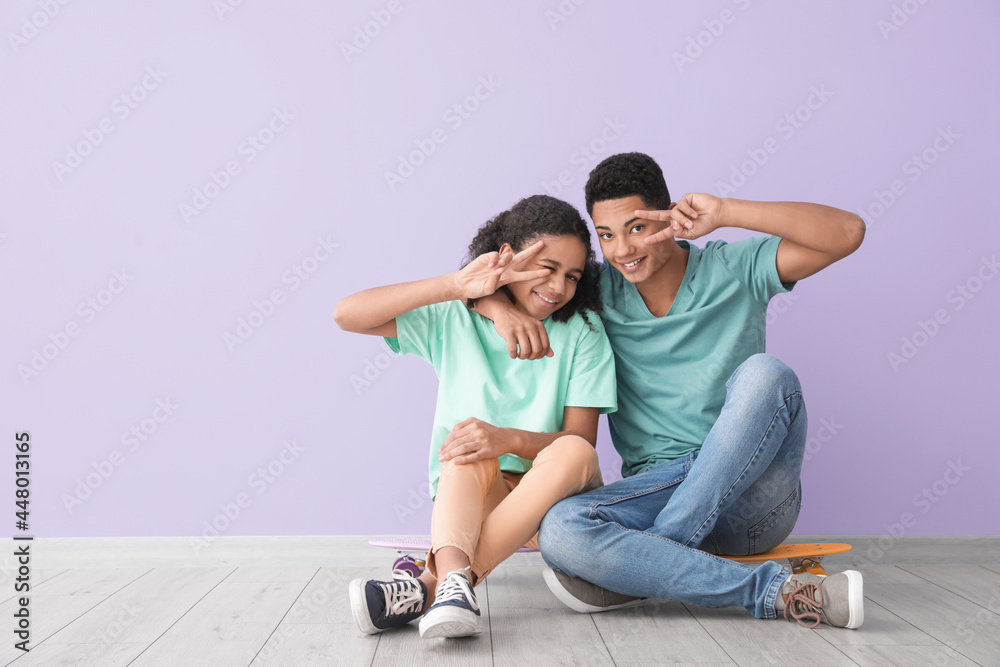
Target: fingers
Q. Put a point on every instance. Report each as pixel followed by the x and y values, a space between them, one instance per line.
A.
pixel 685 206
pixel 511 347
pixel 457 448
pixel 505 256
pixel 528 252
pixel 536 350
pixel 470 458
pixel 512 276
pixel 534 342
pixel 660 236
pixel 540 346
pixel 457 431
pixel 661 216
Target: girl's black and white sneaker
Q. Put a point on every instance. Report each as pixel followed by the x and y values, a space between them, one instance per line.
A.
pixel 455 612
pixel 383 605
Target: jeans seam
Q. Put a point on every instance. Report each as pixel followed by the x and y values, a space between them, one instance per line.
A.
pixel 763 524
pixel 715 512
pixel 719 559
pixel 637 494
pixel 772 592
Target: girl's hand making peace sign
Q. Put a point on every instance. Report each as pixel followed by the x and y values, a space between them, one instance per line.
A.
pixel 487 273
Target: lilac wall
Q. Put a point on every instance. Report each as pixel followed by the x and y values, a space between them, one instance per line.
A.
pixel 130 178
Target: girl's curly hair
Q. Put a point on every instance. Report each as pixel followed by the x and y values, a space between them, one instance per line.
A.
pixel 526 222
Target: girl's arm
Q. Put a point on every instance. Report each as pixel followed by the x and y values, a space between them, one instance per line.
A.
pixel 374 311
pixel 475 439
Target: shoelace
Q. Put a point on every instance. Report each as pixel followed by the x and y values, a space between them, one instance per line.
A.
pixel 805 602
pixel 402 597
pixel 456 587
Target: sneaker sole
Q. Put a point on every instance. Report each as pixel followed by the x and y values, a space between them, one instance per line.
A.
pixel 855 600
pixel 359 608
pixel 450 622
pixel 564 596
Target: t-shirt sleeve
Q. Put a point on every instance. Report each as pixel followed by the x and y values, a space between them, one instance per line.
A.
pixel 418 332
pixel 753 262
pixel 592 382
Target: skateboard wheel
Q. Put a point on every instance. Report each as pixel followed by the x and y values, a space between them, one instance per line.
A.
pixel 404 567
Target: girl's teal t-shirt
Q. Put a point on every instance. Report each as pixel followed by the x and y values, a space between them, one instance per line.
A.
pixel 477 378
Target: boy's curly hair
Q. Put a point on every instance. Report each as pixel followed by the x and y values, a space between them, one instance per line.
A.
pixel 624 175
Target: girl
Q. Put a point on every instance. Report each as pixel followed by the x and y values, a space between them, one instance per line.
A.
pixel 511 438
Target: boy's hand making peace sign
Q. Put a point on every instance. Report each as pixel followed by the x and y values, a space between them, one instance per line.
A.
pixel 695 215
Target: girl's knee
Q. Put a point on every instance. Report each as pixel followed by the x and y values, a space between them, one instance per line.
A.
pixel 569 450
pixel 480 467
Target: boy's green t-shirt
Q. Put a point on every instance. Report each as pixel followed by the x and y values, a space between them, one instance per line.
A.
pixel 672 370
pixel 477 378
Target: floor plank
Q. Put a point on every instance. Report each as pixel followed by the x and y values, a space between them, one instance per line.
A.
pixel 658 632
pixel 49 614
pixel 905 656
pixel 976 584
pixel 258 573
pixel 226 627
pixel 881 574
pixel 143 610
pixel 519 587
pixel 949 618
pixel 316 645
pixel 8 577
pixel 325 598
pixel 881 628
pixel 97 581
pixel 753 641
pixel 78 655
pixel 538 636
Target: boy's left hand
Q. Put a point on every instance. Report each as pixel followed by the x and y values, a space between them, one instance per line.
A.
pixel 695 215
pixel 473 440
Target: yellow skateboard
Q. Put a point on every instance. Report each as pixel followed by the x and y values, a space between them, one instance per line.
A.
pixel 800 557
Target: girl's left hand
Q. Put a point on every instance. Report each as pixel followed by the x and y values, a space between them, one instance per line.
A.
pixel 473 440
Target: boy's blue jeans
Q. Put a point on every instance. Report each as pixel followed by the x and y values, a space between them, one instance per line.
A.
pixel 654 534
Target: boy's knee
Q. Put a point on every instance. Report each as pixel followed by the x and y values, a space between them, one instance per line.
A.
pixel 765 371
pixel 559 534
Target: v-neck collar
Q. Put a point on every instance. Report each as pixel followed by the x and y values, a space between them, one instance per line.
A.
pixel 688 270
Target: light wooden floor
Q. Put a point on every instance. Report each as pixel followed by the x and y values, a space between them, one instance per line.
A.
pixel 283 601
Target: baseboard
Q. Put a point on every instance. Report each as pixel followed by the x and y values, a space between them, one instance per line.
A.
pixel 354 551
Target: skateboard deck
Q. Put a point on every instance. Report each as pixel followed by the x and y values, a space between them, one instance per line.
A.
pixel 408 565
pixel 800 557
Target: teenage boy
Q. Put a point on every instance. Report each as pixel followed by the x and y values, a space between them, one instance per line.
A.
pixel 710 429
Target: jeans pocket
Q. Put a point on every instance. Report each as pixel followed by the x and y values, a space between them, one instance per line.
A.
pixel 772 530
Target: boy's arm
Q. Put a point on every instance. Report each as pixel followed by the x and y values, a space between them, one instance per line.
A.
pixel 475 439
pixel 374 311
pixel 813 236
pixel 526 337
